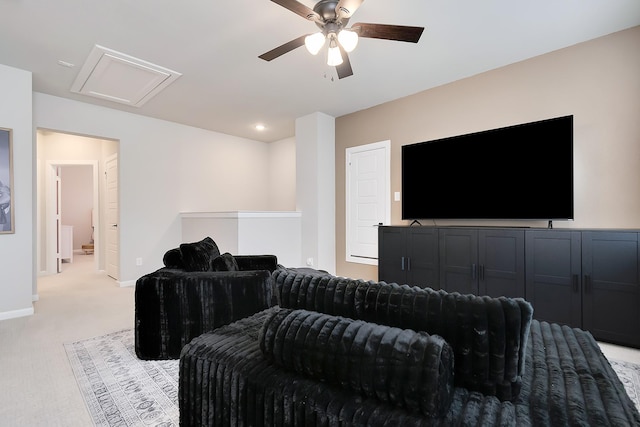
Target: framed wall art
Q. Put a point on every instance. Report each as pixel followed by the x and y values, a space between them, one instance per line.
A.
pixel 6 183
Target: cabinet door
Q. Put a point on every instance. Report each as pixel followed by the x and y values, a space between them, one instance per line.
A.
pixel 422 251
pixel 501 262
pixel 611 286
pixel 392 254
pixel 553 284
pixel 459 260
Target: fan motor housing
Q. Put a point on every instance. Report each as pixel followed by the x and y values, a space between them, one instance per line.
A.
pixel 327 10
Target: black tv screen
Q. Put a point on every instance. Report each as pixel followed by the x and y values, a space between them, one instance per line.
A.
pixel 517 172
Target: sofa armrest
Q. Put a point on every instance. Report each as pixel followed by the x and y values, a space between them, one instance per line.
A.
pixel 172 306
pixel 257 262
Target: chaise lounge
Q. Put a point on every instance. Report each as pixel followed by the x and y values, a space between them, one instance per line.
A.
pixel 337 351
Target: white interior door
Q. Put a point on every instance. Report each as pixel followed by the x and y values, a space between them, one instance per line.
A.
pixel 368 199
pixel 112 235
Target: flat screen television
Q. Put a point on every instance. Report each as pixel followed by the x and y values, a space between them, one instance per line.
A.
pixel 521 172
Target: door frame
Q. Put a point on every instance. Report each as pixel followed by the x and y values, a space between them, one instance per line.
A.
pixel 386 146
pixel 50 211
pixel 116 274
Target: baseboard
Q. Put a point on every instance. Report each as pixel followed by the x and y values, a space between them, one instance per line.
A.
pixel 127 283
pixel 44 273
pixel 5 315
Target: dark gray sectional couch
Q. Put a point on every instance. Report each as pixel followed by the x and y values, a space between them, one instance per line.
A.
pixel 343 352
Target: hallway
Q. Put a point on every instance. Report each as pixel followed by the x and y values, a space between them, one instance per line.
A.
pixel 37 386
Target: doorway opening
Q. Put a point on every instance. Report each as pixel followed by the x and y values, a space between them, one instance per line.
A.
pixel 72 199
pixel 72 211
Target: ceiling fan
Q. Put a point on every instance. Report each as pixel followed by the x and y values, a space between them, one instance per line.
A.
pixel 332 17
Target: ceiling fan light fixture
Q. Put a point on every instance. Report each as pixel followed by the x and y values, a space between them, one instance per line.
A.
pixel 314 42
pixel 332 17
pixel 348 40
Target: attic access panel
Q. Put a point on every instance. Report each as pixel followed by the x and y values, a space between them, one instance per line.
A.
pixel 115 76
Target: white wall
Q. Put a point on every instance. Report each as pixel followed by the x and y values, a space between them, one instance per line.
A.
pixel 17 266
pixel 165 168
pixel 282 175
pixel 315 189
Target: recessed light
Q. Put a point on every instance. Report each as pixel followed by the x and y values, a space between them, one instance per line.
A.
pixel 260 127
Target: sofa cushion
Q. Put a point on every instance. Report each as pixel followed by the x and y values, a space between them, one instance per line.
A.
pixel 197 256
pixel 224 262
pixel 397 366
pixel 488 335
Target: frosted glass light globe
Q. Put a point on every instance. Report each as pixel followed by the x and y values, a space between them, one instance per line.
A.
pixel 334 57
pixel 348 39
pixel 314 42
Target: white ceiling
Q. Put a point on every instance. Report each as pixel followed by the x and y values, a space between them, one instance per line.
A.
pixel 225 87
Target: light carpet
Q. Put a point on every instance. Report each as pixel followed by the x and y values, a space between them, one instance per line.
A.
pixel 121 390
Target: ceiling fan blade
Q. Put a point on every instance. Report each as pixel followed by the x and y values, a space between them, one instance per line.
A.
pixel 299 8
pixel 389 32
pixel 346 8
pixel 281 50
pixel 344 69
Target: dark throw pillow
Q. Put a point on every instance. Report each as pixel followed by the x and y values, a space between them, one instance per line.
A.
pixel 173 259
pixel 224 262
pixel 197 256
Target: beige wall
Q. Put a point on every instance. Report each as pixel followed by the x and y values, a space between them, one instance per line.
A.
pixel 597 81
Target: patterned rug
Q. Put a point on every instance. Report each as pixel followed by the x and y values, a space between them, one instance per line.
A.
pixel 629 374
pixel 121 390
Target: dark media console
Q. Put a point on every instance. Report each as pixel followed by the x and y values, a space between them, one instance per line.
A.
pixel 582 278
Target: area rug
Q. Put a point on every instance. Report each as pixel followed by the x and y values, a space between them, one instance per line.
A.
pixel 629 374
pixel 121 390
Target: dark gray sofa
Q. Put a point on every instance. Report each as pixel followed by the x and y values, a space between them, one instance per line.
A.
pixel 488 363
pixel 198 290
